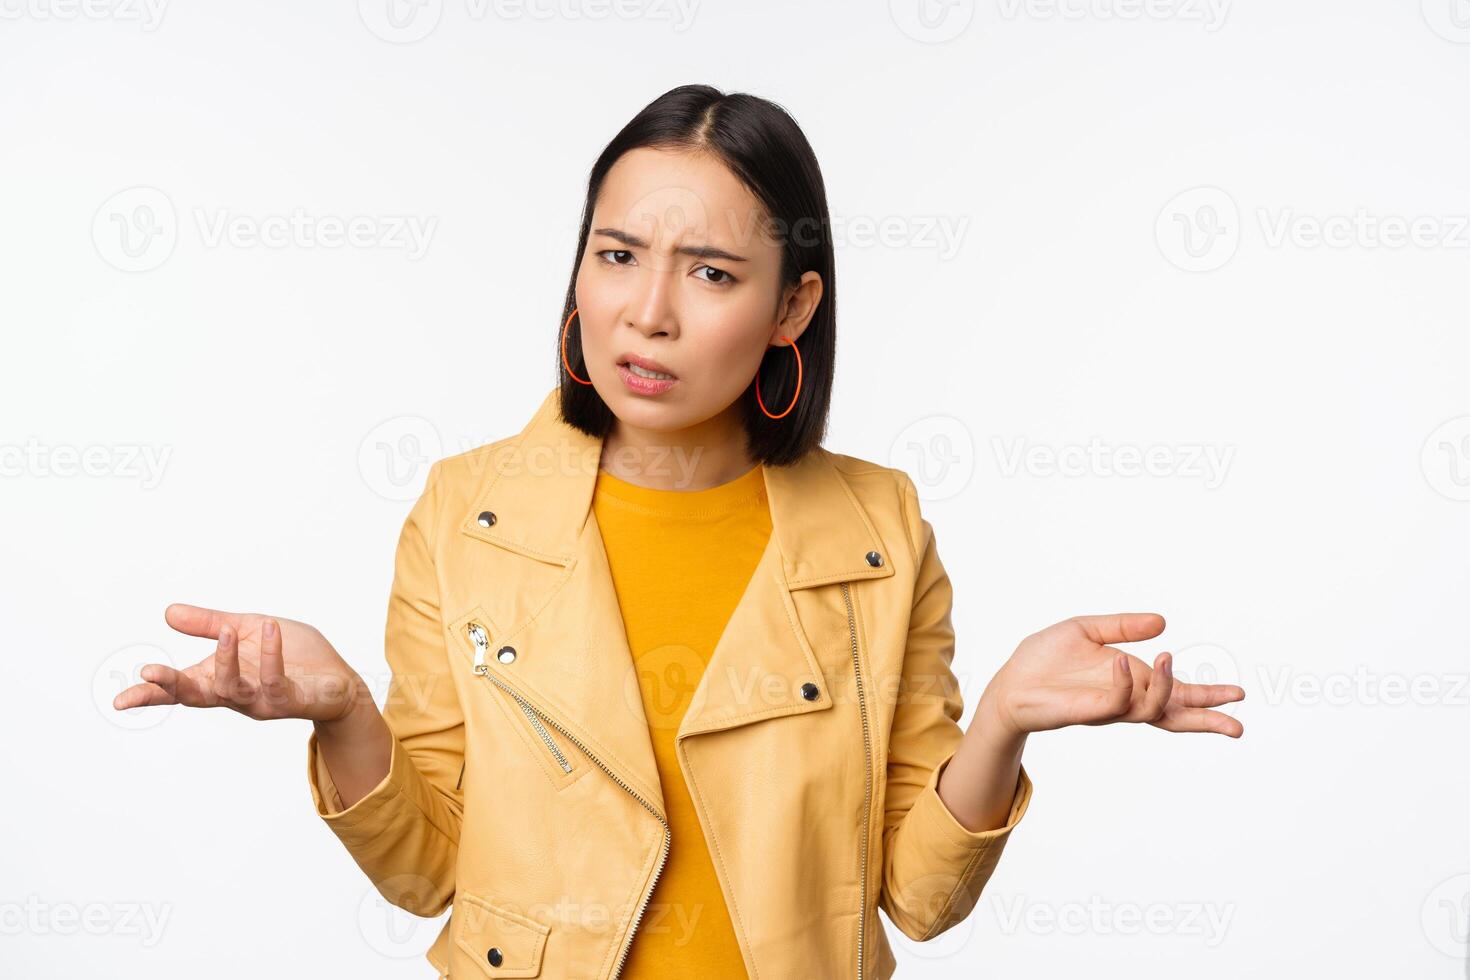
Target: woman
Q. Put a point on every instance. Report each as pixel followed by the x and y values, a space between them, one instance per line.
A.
pixel 671 682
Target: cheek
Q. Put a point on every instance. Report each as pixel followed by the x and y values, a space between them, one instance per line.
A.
pixel 732 342
pixel 597 308
pixel 737 345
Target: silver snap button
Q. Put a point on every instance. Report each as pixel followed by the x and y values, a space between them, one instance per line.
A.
pixel 874 559
pixel 487 517
pixel 505 654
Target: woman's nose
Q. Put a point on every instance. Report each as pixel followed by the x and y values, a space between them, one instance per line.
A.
pixel 652 302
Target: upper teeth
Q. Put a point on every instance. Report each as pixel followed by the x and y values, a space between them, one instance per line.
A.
pixel 645 373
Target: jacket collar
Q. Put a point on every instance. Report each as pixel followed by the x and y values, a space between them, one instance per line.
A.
pixel 541 494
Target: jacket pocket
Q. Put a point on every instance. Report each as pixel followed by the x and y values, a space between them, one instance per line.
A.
pixel 501 943
pixel 474 634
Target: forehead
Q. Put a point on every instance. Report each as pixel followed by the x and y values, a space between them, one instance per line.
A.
pixel 676 195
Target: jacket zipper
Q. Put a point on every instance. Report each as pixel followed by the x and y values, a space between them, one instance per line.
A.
pixel 482 643
pixel 867 775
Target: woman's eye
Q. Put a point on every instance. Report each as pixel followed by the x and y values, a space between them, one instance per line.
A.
pixel 719 272
pixel 621 256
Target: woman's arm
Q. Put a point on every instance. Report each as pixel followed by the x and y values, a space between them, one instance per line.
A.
pixel 952 797
pixel 979 784
pixel 356 750
pixel 934 867
pixel 387 784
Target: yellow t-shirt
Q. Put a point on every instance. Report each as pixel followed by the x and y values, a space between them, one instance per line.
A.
pixel 680 559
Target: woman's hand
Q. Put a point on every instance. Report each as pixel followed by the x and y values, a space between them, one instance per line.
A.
pixel 247 670
pixel 1067 675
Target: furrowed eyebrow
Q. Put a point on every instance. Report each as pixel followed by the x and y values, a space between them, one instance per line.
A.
pixel 697 251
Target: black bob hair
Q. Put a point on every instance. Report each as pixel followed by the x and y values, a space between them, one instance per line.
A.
pixel 763 146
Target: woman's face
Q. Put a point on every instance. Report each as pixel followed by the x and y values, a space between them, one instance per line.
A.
pixel 681 271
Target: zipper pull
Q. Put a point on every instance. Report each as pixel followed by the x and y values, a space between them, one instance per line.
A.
pixel 482 643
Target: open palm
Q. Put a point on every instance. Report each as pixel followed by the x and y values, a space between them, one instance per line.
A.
pixel 1067 674
pixel 248 670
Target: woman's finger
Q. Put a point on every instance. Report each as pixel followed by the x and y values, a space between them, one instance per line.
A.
pixel 1122 691
pixel 163 676
pixel 1207 695
pixel 1120 627
pixel 182 685
pixel 272 665
pixel 1100 706
pixel 199 620
pixel 227 685
pixel 140 695
pixel 1160 682
pixel 1200 720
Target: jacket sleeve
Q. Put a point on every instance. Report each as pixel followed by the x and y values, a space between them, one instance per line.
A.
pixel 404 833
pixel 933 867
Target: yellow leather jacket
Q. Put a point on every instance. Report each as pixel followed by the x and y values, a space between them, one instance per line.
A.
pixel 523 789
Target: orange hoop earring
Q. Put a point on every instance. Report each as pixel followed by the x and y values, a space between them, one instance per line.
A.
pixel 564 347
pixel 792 344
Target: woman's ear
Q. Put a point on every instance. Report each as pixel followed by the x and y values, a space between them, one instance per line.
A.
pixel 798 305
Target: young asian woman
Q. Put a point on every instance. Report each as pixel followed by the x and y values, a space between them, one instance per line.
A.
pixel 672 682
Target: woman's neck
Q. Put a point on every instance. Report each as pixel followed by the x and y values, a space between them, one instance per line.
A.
pixel 695 458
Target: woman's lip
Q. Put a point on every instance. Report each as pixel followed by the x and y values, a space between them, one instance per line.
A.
pixel 646 363
pixel 644 386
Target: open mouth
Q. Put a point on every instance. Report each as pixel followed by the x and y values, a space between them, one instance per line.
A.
pixel 643 376
pixel 644 372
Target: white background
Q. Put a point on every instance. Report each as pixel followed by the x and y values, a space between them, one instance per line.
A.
pixel 1096 231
